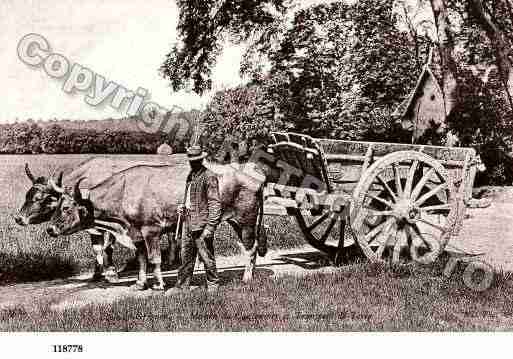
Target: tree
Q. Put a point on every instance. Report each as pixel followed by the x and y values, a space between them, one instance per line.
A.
pixel 477 111
pixel 309 68
pixel 500 43
pixel 327 76
pixel 446 49
pixel 203 27
pixel 343 69
pixel 417 25
pixel 241 114
pixel 51 140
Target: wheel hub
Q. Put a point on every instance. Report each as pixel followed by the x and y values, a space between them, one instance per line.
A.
pixel 405 211
pixel 414 213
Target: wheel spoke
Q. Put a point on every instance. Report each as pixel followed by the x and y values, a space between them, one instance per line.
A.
pixel 410 231
pixel 383 239
pixel 318 221
pixel 433 247
pixel 387 187
pixel 398 185
pixel 379 199
pixel 328 230
pixel 436 226
pixel 372 233
pixel 418 188
pixel 414 232
pixel 341 235
pixel 409 179
pixel 369 236
pixel 401 241
pixel 438 207
pixel 374 212
pixel 430 194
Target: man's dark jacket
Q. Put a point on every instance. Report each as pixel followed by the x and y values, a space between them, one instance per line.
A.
pixel 205 212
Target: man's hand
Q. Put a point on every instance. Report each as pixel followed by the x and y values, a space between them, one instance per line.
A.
pixel 181 209
pixel 206 234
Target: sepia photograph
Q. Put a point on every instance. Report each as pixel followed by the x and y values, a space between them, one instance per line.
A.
pixel 254 166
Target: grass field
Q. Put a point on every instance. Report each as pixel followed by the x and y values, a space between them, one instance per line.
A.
pixel 29 254
pixel 356 297
pixel 360 297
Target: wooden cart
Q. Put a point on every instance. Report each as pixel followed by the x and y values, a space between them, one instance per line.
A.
pixel 396 201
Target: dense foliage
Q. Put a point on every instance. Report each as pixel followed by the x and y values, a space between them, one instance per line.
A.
pixel 33 138
pixel 245 114
pixel 345 68
pixel 340 70
pixel 483 118
pixel 324 79
pixel 204 26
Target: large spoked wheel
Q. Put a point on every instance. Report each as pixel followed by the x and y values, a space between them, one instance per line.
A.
pixel 324 229
pixel 404 209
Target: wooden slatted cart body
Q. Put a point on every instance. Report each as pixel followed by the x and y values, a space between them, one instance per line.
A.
pixel 396 201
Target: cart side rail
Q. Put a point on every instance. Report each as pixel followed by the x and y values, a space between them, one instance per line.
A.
pixel 340 164
pixel 348 160
pixel 358 149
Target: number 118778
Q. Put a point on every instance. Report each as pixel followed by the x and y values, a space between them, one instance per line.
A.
pixel 68 348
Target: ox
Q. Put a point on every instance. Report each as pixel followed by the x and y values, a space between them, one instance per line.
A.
pixel 142 201
pixel 43 196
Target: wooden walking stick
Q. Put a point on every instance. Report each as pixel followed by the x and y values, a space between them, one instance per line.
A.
pixel 178 225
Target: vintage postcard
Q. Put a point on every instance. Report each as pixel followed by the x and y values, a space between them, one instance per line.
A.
pixel 254 166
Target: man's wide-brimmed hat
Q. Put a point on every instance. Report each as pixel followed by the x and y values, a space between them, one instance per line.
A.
pixel 195 153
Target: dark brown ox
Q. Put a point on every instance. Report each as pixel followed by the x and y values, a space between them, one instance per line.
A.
pixel 142 203
pixel 43 197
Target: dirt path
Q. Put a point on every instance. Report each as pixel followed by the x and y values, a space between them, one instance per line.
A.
pixel 488 231
pixel 79 291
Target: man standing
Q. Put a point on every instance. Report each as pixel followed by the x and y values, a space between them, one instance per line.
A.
pixel 201 213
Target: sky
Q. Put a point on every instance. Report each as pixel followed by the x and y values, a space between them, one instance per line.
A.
pixel 123 40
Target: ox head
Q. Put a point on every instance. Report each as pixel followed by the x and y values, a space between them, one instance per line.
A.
pixel 40 200
pixel 73 213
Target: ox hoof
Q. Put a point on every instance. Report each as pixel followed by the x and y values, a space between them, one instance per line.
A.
pixel 97 277
pixel 158 287
pixel 174 291
pixel 139 286
pixel 112 278
pixel 262 242
pixel 262 250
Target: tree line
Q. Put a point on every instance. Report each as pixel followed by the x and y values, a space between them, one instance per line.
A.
pixel 33 138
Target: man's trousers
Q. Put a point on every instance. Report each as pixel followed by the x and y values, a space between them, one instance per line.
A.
pixel 193 244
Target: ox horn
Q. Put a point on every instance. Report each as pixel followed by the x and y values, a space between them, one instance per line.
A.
pixel 29 173
pixel 77 195
pixel 59 179
pixel 56 186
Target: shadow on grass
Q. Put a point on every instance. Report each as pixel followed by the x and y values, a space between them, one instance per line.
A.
pixel 231 276
pixel 306 260
pixel 315 259
pixel 31 267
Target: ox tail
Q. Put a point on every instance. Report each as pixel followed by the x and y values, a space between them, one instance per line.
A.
pixel 261 236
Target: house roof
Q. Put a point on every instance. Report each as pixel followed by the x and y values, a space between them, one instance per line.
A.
pixel 405 106
pixel 402 110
